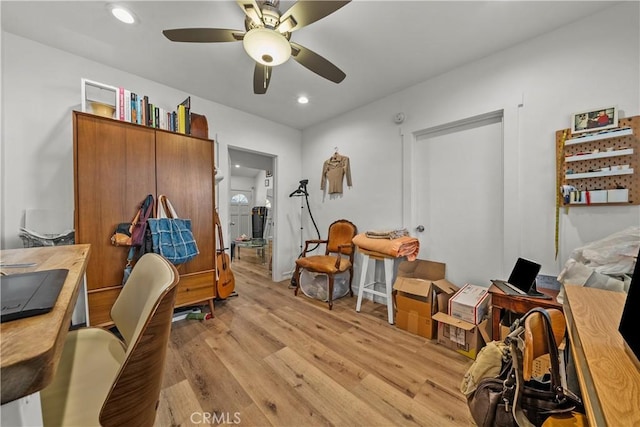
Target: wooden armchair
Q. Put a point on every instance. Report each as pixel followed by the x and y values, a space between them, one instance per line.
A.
pixel 338 256
pixel 105 381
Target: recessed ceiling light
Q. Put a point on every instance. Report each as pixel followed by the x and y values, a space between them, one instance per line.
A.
pixel 303 100
pixel 123 14
pixel 237 166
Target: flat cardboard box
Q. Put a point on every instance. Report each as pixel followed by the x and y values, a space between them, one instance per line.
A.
pixel 422 269
pixel 416 291
pixel 458 335
pixel 470 303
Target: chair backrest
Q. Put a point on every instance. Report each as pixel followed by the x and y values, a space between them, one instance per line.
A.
pixel 341 232
pixel 142 313
pixel 535 337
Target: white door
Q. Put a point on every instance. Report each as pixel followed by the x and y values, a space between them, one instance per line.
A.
pixel 459 189
pixel 240 213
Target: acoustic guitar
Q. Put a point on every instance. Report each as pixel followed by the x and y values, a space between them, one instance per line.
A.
pixel 226 282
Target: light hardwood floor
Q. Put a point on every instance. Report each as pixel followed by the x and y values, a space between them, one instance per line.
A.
pixel 269 358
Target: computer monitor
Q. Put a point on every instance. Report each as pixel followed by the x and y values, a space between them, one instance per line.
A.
pixel 630 322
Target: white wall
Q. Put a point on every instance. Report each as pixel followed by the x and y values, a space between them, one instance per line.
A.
pixel 40 89
pixel 592 63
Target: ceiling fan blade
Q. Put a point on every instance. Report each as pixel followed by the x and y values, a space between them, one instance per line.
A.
pixel 261 77
pixel 304 13
pixel 203 35
pixel 316 63
pixel 252 10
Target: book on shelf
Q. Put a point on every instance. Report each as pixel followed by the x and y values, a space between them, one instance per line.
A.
pixel 120 106
pixel 134 107
pixel 156 116
pixel 182 118
pixel 127 105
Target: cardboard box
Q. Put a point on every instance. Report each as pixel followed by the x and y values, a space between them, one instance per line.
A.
pixel 458 335
pixel 470 303
pixel 416 302
pixel 416 294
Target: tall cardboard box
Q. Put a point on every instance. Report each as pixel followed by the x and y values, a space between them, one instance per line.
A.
pixel 416 291
pixel 470 303
pixel 458 335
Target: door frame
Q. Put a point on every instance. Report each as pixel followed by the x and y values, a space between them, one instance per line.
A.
pixel 275 206
pixel 511 177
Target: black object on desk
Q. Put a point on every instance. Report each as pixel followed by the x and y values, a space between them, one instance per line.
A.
pixel 29 294
pixel 522 280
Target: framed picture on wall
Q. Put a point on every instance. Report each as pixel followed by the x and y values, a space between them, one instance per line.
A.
pixel 594 120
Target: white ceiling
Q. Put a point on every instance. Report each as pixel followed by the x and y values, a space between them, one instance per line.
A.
pixel 382 46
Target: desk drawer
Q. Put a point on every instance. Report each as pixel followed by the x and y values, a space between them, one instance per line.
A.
pixel 195 288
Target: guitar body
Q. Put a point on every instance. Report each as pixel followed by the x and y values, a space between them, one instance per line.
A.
pixel 226 282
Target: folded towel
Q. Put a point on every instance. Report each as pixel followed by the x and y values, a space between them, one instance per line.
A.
pixel 387 234
pixel 400 247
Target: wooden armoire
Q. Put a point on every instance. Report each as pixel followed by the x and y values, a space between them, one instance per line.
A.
pixel 116 164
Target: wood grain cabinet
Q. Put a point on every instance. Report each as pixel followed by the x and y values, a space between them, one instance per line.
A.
pixel 116 164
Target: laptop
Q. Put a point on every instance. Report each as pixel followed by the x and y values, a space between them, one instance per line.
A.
pixel 29 294
pixel 522 281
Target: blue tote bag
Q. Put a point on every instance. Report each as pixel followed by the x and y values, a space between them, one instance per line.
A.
pixel 172 236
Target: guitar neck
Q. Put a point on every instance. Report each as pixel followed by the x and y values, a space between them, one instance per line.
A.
pixel 219 226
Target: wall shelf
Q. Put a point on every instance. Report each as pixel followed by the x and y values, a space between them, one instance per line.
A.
pixel 598 174
pixel 580 163
pixel 616 133
pixel 601 155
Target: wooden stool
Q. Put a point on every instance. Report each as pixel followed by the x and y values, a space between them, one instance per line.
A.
pixel 389 268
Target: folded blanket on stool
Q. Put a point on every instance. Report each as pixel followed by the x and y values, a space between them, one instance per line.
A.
pixel 387 234
pixel 400 247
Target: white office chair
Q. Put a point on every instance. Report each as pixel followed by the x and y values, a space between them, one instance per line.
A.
pixel 103 380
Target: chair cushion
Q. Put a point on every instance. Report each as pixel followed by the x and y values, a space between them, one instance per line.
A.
pixel 323 264
pixel 90 361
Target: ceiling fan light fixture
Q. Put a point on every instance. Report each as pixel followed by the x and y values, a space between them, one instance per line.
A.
pixel 266 46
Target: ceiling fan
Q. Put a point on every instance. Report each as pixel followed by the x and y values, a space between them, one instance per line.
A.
pixel 267 37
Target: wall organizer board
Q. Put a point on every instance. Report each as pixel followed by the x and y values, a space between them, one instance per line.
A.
pixel 604 167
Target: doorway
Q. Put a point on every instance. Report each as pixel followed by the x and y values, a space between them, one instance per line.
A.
pixel 459 197
pixel 252 209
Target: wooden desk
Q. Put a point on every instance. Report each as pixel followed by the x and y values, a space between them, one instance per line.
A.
pixel 31 347
pixel 501 301
pixel 608 378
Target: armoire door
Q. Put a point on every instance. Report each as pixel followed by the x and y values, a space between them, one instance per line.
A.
pixel 185 175
pixel 114 171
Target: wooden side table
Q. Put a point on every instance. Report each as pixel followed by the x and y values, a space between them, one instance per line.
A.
pixel 501 301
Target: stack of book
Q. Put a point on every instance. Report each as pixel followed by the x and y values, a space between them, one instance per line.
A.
pixel 132 108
